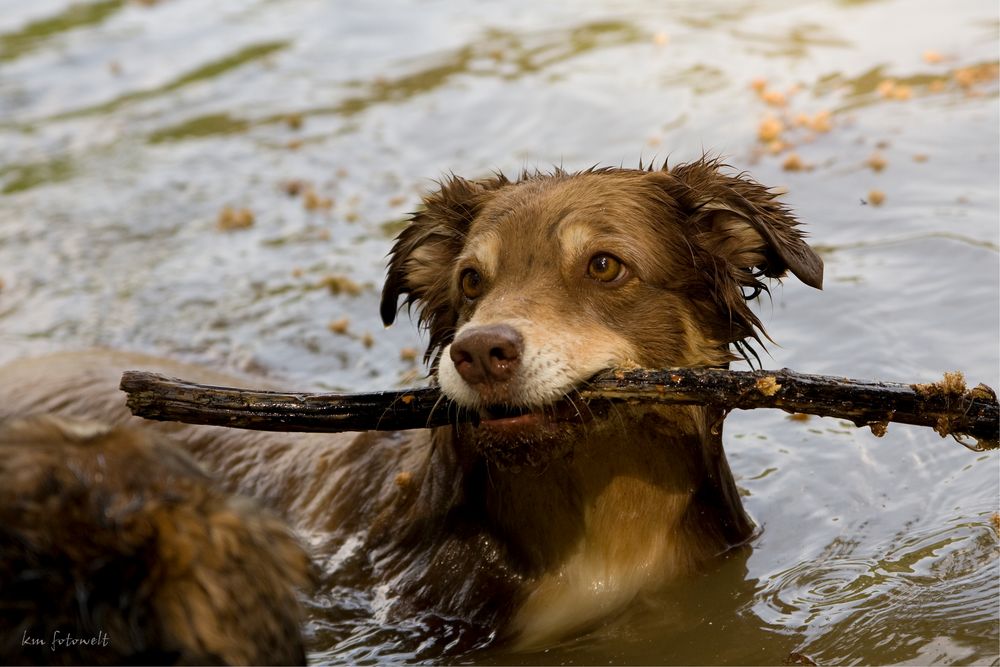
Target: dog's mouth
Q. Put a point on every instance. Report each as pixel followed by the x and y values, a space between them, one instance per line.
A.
pixel 507 417
pixel 514 417
pixel 515 436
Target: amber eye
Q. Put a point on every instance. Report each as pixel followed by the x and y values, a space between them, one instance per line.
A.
pixel 472 283
pixel 605 268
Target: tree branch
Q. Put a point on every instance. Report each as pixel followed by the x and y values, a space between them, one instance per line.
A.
pixel 946 406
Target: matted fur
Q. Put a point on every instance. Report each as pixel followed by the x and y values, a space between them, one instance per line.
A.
pixel 116 537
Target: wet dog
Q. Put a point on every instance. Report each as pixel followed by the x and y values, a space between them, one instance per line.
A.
pixel 543 518
pixel 115 547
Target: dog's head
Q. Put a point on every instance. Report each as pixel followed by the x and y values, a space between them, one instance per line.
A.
pixel 529 288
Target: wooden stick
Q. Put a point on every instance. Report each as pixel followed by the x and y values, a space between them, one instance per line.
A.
pixel 946 406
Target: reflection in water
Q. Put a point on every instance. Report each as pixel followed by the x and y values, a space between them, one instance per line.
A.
pixel 36 34
pixel 676 623
pixel 796 43
pixel 932 581
pixel 670 622
pixel 905 598
pixel 859 91
pixel 950 236
pixel 202 126
pixel 206 72
pixel 499 53
pixel 19 177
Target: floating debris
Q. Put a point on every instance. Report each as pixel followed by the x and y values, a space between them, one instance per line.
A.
pixel 313 201
pixel 781 131
pixel 234 218
pixel 876 162
pixel 986 73
pixel 295 187
pixel 775 98
pixel 340 326
pixel 770 129
pixel 876 197
pixel 340 285
pixel 965 77
pixel 902 93
pixel 932 57
pixel 793 163
pixel 886 87
pixel 821 122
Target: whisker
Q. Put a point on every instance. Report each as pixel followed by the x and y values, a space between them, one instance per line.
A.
pixel 441 398
pixel 586 404
pixel 385 413
pixel 615 410
pixel 572 403
pixel 587 384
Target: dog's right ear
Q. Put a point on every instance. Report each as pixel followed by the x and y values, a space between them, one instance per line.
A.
pixel 421 258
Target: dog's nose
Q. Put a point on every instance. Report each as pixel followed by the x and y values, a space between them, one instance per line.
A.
pixel 487 354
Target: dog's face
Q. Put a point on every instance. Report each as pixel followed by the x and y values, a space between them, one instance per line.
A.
pixel 529 288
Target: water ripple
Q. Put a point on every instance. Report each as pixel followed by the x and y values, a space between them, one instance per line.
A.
pixel 918 585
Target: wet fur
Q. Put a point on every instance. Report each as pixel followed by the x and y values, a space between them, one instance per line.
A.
pixel 116 535
pixel 536 539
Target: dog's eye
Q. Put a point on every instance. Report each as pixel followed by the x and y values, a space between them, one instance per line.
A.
pixel 604 268
pixel 472 283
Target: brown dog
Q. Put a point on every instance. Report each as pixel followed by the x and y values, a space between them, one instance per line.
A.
pixel 544 518
pixel 115 547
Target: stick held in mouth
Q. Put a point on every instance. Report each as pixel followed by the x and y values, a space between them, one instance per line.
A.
pixel 947 406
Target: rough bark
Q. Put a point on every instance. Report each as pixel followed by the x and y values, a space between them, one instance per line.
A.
pixel 946 406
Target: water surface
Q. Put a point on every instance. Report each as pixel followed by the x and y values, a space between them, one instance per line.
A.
pixel 127 127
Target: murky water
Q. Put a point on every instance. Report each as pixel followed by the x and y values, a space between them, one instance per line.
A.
pixel 127 127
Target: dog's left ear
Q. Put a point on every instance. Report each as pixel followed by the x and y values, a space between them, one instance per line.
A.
pixel 421 259
pixel 738 219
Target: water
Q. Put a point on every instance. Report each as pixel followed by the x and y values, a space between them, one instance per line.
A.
pixel 127 127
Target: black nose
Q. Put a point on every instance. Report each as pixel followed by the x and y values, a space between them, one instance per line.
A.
pixel 487 354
